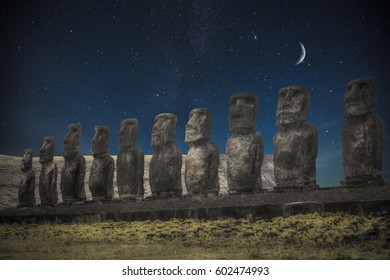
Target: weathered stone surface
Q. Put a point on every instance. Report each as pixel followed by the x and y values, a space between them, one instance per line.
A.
pixel 352 207
pixel 48 175
pixel 378 207
pixel 255 206
pixel 363 135
pixel 165 166
pixel 26 194
pixel 295 208
pixel 101 182
pixel 73 171
pixel 244 149
pixel 164 214
pixel 130 161
pixel 183 213
pixel 237 212
pixel 267 211
pixel 295 143
pixel 202 161
pixel 212 213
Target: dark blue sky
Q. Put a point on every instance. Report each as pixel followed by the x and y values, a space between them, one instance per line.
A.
pixel 99 62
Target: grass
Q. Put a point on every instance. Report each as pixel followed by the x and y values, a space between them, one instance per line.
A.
pixel 313 236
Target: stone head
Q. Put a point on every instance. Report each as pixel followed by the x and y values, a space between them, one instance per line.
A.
pixel 26 160
pixel 72 139
pixel 163 130
pixel 359 97
pixel 46 151
pixel 198 126
pixel 242 112
pixel 128 134
pixel 100 140
pixel 293 104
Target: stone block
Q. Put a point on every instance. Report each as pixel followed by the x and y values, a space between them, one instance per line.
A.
pixel 351 207
pixel 182 213
pixel 237 212
pixel 378 207
pixel 295 208
pixel 112 216
pixel 164 214
pixel 213 213
pixel 267 211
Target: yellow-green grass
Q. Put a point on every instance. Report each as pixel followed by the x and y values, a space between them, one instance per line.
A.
pixel 313 236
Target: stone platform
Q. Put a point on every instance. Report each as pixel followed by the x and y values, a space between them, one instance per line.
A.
pixel 371 200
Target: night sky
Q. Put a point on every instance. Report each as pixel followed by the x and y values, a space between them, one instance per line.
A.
pixel 99 62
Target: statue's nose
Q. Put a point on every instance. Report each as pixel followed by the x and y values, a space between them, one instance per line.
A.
pixel 353 94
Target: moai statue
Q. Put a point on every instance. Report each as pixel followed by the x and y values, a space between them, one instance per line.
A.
pixel 244 149
pixel 26 194
pixel 202 162
pixel 363 135
pixel 295 143
pixel 165 166
pixel 73 172
pixel 48 176
pixel 130 162
pixel 101 178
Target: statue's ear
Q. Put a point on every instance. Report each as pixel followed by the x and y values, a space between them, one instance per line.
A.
pixel 372 96
pixel 307 103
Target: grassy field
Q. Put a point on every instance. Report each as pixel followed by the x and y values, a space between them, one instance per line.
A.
pixel 332 236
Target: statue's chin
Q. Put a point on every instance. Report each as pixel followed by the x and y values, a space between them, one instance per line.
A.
pixel 241 127
pixel 68 153
pixel 356 110
pixel 156 143
pixel 126 147
pixel 25 168
pixel 98 151
pixel 193 137
pixel 44 158
pixel 289 118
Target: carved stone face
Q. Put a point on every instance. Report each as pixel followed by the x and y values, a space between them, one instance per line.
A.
pixel 100 140
pixel 359 97
pixel 72 139
pixel 242 113
pixel 47 150
pixel 198 126
pixel 26 160
pixel 163 130
pixel 128 133
pixel 293 103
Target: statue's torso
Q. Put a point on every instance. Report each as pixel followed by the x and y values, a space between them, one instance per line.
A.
pixel 72 178
pixel 363 147
pixel 100 180
pixel 130 172
pixel 201 171
pixel 165 171
pixel 26 194
pixel 244 156
pixel 295 153
pixel 48 183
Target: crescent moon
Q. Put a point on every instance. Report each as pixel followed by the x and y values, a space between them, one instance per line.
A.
pixel 303 54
